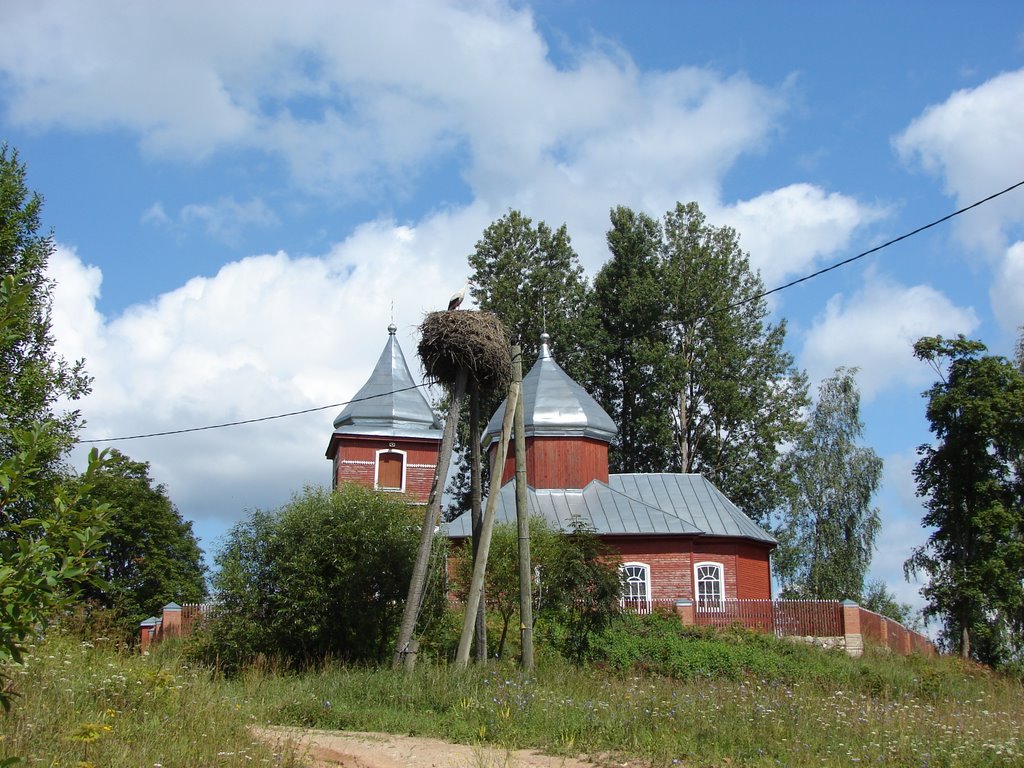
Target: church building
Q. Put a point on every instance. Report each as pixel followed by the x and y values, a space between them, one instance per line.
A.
pixel 679 537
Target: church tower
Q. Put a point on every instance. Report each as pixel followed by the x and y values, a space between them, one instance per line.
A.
pixel 387 437
pixel 567 433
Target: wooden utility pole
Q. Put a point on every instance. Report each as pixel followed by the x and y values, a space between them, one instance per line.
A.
pixel 430 521
pixel 476 514
pixel 476 586
pixel 522 521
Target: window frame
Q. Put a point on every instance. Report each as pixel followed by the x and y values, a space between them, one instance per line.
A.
pixel 709 605
pixel 376 469
pixel 628 599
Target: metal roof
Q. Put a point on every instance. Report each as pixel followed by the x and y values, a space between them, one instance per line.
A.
pixel 554 404
pixel 389 404
pixel 693 498
pixel 630 505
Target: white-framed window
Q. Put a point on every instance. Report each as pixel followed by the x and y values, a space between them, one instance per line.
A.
pixel 389 470
pixel 636 586
pixel 709 581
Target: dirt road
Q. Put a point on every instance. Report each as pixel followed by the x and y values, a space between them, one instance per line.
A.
pixel 327 749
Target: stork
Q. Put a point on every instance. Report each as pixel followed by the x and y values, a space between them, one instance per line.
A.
pixel 456 300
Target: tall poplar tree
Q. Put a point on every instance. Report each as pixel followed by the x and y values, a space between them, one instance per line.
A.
pixel 686 361
pixel 630 347
pixel 738 396
pixel 970 480
pixel 828 528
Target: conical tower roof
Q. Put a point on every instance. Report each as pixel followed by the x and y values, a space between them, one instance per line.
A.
pixel 555 405
pixel 389 404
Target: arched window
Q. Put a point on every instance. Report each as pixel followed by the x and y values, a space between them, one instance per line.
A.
pixel 390 471
pixel 636 587
pixel 709 579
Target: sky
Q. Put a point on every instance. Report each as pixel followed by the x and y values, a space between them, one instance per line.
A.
pixel 244 195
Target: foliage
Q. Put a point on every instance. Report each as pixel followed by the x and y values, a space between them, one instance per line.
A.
pixel 973 492
pixel 685 361
pixel 33 379
pixel 45 558
pixel 324 577
pixel 581 591
pixel 631 345
pixel 738 395
pixel 828 526
pixel 531 278
pixel 150 555
pixel 878 598
pixel 501 585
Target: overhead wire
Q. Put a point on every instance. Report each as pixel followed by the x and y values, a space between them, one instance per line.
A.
pixel 250 421
pixel 724 308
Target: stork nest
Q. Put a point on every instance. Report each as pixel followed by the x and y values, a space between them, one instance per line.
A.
pixel 475 341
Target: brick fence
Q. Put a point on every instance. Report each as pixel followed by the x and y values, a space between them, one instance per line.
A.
pixel 174 621
pixel 828 623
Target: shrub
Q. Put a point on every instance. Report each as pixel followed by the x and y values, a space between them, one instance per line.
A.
pixel 324 577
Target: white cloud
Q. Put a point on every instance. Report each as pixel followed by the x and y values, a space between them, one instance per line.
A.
pixel 786 231
pixel 1007 292
pixel 265 335
pixel 358 100
pixel 972 140
pixel 875 329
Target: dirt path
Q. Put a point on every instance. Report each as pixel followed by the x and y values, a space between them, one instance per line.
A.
pixel 349 749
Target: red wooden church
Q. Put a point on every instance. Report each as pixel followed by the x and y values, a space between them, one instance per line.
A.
pixel 678 535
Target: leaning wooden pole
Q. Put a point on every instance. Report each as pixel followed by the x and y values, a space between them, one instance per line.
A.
pixel 476 513
pixel 430 521
pixel 476 585
pixel 522 521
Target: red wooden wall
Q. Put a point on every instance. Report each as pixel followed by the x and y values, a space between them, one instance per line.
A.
pixel 558 462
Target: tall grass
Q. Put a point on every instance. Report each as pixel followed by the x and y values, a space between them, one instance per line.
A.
pixel 86 704
pixel 654 694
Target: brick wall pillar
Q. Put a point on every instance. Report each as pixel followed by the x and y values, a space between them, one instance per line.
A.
pixel 147 630
pixel 171 626
pixel 684 610
pixel 851 628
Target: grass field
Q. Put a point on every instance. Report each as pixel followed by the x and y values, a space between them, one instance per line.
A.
pixel 654 694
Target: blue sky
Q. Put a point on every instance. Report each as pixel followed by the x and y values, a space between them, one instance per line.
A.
pixel 241 191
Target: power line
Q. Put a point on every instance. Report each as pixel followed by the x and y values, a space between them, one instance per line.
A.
pixel 727 307
pixel 248 421
pixel 868 252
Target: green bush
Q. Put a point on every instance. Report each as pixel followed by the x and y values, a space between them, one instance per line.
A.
pixel 323 578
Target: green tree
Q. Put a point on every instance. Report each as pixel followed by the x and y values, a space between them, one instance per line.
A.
pixel 974 499
pixel 582 588
pixel 44 559
pixel 878 598
pixel 33 378
pixel 501 581
pixel 323 577
pixel 828 527
pixel 738 396
pixel 631 344
pixel 686 362
pixel 150 555
pixel 531 278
